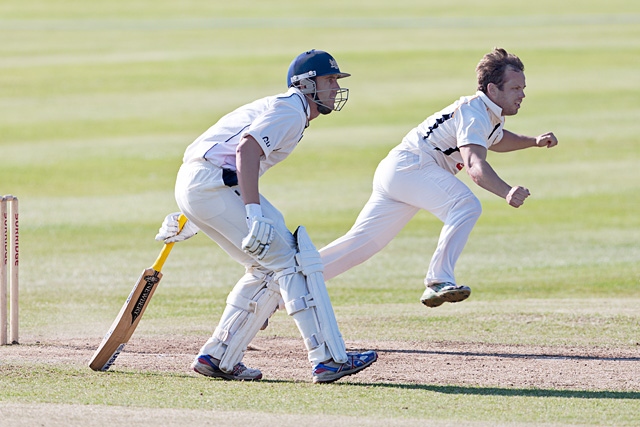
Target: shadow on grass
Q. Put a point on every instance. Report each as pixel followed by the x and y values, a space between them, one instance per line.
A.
pixel 511 392
pixel 443 389
pixel 514 355
pixel 487 391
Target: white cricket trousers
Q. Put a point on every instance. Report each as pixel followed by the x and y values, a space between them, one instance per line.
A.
pixel 404 183
pixel 219 212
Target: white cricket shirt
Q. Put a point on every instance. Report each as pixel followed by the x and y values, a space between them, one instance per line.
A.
pixel 276 122
pixel 470 120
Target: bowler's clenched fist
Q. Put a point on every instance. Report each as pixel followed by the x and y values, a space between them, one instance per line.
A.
pixel 547 140
pixel 517 195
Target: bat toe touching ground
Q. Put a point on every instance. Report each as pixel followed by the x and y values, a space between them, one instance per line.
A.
pixel 131 312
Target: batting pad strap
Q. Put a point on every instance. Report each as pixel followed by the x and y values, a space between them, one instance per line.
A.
pixel 309 262
pixel 243 303
pixel 314 341
pixel 302 303
pixel 285 272
pixel 222 334
pixel 218 353
pixel 250 305
pixel 259 274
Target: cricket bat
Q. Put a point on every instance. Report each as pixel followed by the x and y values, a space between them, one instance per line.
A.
pixel 131 312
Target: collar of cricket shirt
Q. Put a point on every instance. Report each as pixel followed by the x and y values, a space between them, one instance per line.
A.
pixel 495 108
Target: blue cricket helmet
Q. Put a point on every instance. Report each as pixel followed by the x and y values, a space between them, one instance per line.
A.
pixel 313 63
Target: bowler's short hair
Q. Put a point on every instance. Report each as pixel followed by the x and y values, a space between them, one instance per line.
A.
pixel 492 68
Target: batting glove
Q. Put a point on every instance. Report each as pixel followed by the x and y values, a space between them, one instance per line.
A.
pixel 259 238
pixel 170 232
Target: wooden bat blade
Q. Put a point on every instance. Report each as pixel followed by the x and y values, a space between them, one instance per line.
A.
pixel 125 324
pixel 132 310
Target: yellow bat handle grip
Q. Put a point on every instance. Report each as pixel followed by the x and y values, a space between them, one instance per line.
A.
pixel 166 249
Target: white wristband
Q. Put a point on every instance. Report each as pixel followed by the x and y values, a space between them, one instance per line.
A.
pixel 253 210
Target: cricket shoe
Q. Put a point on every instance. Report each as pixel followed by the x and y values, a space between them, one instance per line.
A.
pixel 438 293
pixel 330 371
pixel 208 366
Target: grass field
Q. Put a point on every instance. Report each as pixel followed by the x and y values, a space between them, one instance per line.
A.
pixel 99 99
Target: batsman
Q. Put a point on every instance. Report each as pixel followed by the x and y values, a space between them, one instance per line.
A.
pixel 217 189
